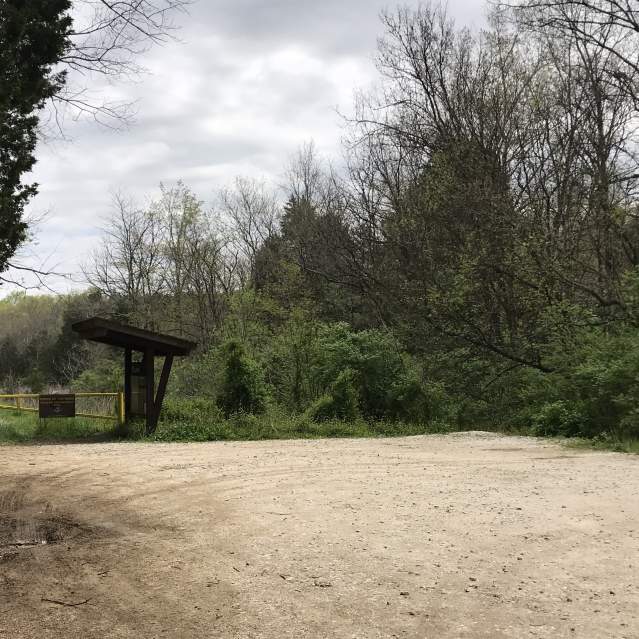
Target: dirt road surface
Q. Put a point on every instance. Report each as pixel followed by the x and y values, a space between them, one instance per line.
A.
pixel 471 535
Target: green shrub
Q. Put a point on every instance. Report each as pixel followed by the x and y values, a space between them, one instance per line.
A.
pixel 191 409
pixel 190 419
pixel 629 425
pixel 35 381
pixel 558 419
pixel 321 409
pixel 243 388
pixel 246 426
pixel 192 431
pixel 195 376
pixel 593 391
pixel 106 376
pixel 387 380
pixel 374 356
pixel 396 428
pixel 341 403
pixel 410 400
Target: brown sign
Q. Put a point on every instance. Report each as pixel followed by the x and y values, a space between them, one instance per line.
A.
pixel 59 405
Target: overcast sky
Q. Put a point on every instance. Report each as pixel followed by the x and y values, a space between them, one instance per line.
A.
pixel 249 81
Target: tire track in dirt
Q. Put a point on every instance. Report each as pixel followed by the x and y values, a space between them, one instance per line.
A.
pixel 89 580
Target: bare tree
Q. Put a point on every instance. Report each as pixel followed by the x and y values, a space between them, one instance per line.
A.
pixel 252 213
pixel 170 265
pixel 107 39
pixel 611 26
pixel 129 265
pixel 212 278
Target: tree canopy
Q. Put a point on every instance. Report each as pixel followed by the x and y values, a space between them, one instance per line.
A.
pixel 475 260
pixel 34 36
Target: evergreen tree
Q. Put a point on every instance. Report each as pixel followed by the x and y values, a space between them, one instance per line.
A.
pixel 34 35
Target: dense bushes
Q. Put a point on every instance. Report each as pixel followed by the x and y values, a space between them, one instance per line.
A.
pixel 322 375
pixel 105 376
pixel 592 391
pixel 331 370
pixel 192 410
pixel 379 370
pixel 242 388
pixel 325 371
pixel 595 391
pixel 323 379
pixel 340 403
pixel 290 376
pixel 276 424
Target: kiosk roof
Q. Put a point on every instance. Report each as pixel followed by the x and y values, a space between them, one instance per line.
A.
pixel 99 329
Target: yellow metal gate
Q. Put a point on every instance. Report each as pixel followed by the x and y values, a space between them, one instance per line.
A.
pixel 97 405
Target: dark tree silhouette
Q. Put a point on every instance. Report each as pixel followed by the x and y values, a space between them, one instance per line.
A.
pixel 34 36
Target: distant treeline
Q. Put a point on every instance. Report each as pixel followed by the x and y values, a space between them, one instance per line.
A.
pixel 474 261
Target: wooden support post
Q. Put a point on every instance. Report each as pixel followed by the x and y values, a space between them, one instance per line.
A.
pixel 128 364
pixel 149 374
pixel 159 397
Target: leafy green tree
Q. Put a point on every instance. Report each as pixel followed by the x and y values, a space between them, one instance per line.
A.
pixel 374 356
pixel 289 356
pixel 33 37
pixel 341 402
pixel 11 362
pixel 243 388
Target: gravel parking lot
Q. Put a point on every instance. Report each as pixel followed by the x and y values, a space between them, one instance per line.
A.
pixel 470 535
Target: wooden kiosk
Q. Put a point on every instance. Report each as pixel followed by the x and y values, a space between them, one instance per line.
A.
pixel 140 396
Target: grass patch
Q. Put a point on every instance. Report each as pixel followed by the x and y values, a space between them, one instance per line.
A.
pixel 200 420
pixel 206 423
pixel 18 428
pixel 601 443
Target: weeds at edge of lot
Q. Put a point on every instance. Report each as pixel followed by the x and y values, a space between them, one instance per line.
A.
pixel 274 425
pixel 630 446
pixel 22 428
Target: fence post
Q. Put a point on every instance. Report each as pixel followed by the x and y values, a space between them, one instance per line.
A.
pixel 18 406
pixel 121 408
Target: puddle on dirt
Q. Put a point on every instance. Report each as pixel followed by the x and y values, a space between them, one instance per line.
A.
pixel 30 524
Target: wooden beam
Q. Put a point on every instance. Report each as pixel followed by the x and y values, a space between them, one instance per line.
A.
pixel 127 383
pixel 159 398
pixel 149 371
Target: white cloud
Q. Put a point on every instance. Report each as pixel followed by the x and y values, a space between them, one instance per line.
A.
pixel 248 83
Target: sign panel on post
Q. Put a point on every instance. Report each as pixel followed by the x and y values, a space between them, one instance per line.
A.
pixel 58 405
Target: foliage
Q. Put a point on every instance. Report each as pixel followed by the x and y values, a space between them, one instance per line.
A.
pixel 33 37
pixel 195 376
pixel 190 419
pixel 104 377
pixel 17 427
pixel 341 403
pixel 276 424
pixel 601 383
pixel 557 418
pixel 242 388
pixel 474 264
pixel 191 410
pixel 388 384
